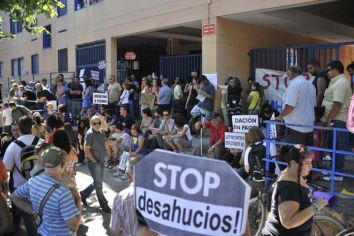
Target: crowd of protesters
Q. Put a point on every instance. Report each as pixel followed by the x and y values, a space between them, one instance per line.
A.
pixel 60 126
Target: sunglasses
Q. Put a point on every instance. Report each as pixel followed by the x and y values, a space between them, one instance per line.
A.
pixel 96 123
pixel 166 114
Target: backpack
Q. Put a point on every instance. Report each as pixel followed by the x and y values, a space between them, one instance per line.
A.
pixel 28 157
pixel 350 120
pixel 257 165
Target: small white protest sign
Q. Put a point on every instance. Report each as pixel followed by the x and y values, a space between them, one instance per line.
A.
pixel 95 75
pixel 242 123
pixel 82 73
pixel 100 98
pixel 235 140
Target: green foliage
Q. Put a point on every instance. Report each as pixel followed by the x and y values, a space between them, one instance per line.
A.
pixel 26 12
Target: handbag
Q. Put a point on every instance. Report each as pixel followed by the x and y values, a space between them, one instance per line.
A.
pixel 38 216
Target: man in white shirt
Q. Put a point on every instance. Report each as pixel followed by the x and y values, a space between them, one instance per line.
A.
pixel 12 161
pixel 7 116
pixel 299 100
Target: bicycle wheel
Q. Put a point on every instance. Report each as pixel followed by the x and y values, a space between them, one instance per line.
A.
pixel 256 216
pixel 324 225
pixel 347 232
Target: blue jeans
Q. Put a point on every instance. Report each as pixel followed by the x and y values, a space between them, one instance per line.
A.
pixel 341 144
pixel 96 170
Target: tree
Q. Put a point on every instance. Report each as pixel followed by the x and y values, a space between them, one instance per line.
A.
pixel 26 12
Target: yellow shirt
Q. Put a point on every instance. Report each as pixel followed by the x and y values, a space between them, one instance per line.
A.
pixel 255 101
pixel 338 91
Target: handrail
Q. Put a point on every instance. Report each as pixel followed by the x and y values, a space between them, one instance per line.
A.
pixel 332 150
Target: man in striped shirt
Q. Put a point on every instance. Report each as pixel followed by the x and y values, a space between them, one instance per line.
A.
pixel 61 214
pixel 123 219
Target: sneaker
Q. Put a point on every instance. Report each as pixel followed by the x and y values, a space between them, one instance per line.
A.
pixel 123 177
pixel 327 158
pixel 336 178
pixel 118 174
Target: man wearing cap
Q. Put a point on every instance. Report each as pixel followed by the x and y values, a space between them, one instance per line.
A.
pixel 215 146
pixel 60 214
pixel 95 151
pixel 206 99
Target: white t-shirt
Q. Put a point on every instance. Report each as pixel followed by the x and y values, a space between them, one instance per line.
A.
pixel 7 113
pixel 124 97
pixel 301 94
pixel 188 133
pixel 12 158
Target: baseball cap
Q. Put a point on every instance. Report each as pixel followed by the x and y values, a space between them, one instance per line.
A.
pixel 53 156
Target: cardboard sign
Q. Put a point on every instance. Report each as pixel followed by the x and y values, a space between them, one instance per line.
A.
pixel 100 98
pixel 129 55
pixel 95 75
pixel 180 194
pixel 235 140
pixel 213 79
pixel 209 29
pixel 242 123
pixel 102 65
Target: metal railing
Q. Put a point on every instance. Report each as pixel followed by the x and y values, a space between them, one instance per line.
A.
pixel 334 151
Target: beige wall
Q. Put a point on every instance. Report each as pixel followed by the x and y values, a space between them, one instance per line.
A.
pixel 114 18
pixel 226 51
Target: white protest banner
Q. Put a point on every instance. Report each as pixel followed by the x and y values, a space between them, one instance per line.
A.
pixel 100 98
pixel 274 84
pixel 82 73
pixel 213 79
pixel 242 123
pixel 179 194
pixel 235 140
pixel 95 75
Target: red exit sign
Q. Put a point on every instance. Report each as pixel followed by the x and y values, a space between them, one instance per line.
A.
pixel 209 29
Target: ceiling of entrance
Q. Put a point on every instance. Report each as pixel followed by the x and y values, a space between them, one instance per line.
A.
pixel 330 21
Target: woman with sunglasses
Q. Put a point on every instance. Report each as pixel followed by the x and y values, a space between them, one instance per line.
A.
pixel 292 209
pixel 5 218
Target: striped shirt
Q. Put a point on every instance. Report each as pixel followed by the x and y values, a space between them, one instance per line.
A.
pixel 59 208
pixel 123 218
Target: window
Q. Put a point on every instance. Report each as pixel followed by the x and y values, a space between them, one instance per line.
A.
pixel 47 38
pixel 12 27
pixel 18 27
pixel 17 67
pixel 15 27
pixel 64 10
pixel 63 60
pixel 35 64
pixel 79 4
pixel 0 68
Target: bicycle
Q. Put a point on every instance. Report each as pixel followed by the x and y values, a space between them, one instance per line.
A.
pixel 259 207
pixel 346 232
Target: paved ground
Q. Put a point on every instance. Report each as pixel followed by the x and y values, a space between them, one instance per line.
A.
pixel 96 222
